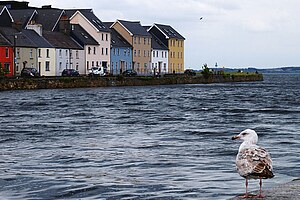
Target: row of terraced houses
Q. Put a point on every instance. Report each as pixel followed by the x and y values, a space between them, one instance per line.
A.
pixel 51 40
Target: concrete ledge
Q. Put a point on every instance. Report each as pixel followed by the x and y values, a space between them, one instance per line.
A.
pixel 288 191
pixel 84 82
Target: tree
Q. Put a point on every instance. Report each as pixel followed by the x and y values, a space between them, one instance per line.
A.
pixel 206 71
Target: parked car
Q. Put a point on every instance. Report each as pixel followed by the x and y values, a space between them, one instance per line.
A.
pixel 129 72
pixel 29 72
pixel 97 71
pixel 190 72
pixel 70 72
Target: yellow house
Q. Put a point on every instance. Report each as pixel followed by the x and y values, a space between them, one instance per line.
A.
pixel 175 42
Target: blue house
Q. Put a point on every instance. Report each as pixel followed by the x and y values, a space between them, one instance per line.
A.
pixel 121 52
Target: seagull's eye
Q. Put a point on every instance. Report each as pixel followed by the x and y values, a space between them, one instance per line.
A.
pixel 245 133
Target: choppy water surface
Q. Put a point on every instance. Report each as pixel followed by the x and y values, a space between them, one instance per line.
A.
pixel 162 142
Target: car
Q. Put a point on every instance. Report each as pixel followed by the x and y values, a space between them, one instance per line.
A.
pixel 70 72
pixel 129 72
pixel 97 71
pixel 190 72
pixel 29 72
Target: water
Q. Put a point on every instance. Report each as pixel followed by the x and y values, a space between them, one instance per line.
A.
pixel 160 142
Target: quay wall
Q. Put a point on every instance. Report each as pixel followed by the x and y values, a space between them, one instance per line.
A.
pixel 119 81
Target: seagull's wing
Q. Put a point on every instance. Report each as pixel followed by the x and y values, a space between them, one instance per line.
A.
pixel 254 163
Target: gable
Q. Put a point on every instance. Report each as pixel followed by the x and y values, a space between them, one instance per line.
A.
pixel 5 17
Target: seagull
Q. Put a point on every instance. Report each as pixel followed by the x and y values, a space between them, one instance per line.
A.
pixel 252 161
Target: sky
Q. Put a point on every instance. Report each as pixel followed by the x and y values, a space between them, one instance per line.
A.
pixel 232 33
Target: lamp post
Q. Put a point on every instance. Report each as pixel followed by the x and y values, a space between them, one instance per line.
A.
pixel 15 54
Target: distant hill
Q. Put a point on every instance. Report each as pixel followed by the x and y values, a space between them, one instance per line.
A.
pixel 281 70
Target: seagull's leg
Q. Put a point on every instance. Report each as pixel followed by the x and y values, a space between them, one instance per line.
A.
pixel 246 195
pixel 260 189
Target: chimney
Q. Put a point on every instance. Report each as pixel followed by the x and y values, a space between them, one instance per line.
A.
pixel 18 26
pixel 64 25
pixel 38 28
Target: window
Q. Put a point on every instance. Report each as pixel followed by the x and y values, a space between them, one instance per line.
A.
pixel 47 53
pixel 140 40
pixel 162 54
pixel 94 50
pixel 157 54
pixel 77 66
pixel 7 53
pixel 145 53
pixel 18 53
pixel 153 54
pixel 145 41
pixel 7 67
pixel 60 65
pixel 93 64
pixel 77 54
pixel 134 53
pixel 59 53
pixel 139 53
pixel 102 36
pixel 128 52
pixel 114 51
pixel 66 53
pixel 165 54
pixel 87 64
pixel 106 37
pixel 89 50
pixel 47 66
pixel 102 51
pixel 106 51
pixel 97 64
pixel 118 52
pixel 31 54
pixel 125 52
pixel 40 53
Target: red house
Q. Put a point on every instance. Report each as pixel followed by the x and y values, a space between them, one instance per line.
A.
pixel 6 57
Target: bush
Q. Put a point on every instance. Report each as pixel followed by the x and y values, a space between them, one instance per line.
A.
pixel 206 71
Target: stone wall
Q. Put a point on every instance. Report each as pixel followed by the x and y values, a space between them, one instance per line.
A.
pixel 82 82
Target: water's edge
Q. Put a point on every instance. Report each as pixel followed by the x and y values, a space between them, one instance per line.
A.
pixel 87 82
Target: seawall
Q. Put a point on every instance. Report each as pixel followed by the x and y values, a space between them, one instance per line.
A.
pixel 85 82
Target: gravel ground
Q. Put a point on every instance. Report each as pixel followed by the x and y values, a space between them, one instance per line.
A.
pixel 283 192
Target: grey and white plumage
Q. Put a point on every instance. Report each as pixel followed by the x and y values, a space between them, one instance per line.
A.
pixel 252 161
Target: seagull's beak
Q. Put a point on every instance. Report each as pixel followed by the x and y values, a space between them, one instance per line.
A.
pixel 236 137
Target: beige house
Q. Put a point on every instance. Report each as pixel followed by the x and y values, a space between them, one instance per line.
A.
pixel 137 36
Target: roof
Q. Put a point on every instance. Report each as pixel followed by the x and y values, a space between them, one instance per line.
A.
pixel 157 43
pixel 23 16
pixel 40 41
pixel 60 40
pixel 91 17
pixel 81 36
pixel 49 18
pixel 4 41
pixel 116 39
pixel 134 27
pixel 169 31
pixel 21 40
